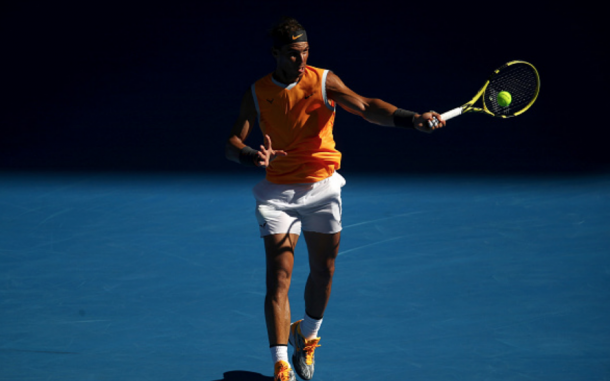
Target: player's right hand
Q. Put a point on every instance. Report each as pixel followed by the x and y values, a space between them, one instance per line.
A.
pixel 422 122
pixel 266 154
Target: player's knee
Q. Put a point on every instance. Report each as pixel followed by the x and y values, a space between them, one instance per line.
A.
pixel 278 282
pixel 323 273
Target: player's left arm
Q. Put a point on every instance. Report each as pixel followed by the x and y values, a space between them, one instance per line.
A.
pixel 376 110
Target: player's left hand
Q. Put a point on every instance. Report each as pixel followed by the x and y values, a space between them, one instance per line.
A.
pixel 422 124
pixel 266 154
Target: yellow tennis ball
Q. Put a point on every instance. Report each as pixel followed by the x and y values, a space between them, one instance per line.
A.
pixel 504 98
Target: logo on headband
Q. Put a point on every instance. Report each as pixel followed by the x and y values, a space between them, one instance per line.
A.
pixel 296 36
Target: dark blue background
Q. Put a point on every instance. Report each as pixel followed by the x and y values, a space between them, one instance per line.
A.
pixel 123 87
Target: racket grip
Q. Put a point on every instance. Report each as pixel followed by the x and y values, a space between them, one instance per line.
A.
pixel 447 115
pixel 452 113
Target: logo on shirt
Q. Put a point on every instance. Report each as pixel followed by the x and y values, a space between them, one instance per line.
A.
pixel 270 100
pixel 307 96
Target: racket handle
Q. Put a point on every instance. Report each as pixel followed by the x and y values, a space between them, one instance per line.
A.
pixel 447 115
pixel 452 113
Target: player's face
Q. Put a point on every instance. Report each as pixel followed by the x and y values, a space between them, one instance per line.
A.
pixel 291 61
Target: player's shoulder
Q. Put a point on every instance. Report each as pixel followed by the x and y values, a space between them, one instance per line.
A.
pixel 262 80
pixel 263 84
pixel 321 72
pixel 317 75
pixel 333 82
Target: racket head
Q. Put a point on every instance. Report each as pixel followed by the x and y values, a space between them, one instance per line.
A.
pixel 521 80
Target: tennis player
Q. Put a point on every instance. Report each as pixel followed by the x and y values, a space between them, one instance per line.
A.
pixel 295 108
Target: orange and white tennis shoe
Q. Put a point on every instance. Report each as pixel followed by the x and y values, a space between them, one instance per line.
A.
pixel 303 358
pixel 283 372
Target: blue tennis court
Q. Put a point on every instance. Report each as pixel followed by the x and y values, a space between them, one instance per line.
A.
pixel 158 277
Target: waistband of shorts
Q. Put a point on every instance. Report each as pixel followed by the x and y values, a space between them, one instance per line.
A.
pixel 309 185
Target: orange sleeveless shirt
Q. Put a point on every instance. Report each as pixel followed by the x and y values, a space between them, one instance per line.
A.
pixel 299 119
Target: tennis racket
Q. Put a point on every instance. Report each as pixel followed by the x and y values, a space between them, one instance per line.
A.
pixel 519 78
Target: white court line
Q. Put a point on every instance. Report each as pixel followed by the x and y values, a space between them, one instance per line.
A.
pixel 371 244
pixel 383 219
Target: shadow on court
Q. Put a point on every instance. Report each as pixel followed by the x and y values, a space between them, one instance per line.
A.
pixel 242 375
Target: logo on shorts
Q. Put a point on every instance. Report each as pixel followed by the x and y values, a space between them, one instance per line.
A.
pixel 263 225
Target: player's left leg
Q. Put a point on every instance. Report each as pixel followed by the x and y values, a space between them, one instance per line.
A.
pixel 323 250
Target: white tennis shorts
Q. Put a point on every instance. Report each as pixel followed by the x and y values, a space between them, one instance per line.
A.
pixel 288 208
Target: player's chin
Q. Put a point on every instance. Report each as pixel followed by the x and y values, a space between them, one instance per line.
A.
pixel 297 76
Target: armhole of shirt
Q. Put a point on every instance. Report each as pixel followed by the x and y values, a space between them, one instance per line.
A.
pixel 326 100
pixel 258 110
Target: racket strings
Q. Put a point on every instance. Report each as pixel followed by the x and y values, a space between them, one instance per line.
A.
pixel 520 80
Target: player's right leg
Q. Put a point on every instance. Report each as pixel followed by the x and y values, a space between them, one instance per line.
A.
pixel 279 251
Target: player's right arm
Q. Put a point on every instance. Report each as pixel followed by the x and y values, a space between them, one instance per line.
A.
pixel 236 149
pixel 375 110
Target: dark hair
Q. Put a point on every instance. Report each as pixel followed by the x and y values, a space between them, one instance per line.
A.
pixel 284 29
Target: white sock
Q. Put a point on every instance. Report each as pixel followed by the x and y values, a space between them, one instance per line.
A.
pixel 279 353
pixel 310 327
